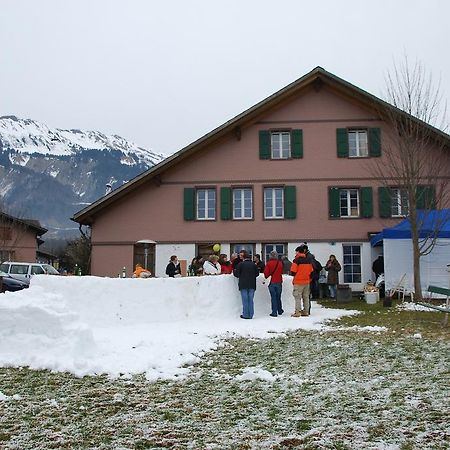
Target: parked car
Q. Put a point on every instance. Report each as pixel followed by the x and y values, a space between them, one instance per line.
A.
pixel 23 271
pixel 10 284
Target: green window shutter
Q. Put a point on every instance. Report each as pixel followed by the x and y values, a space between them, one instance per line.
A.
pixel 297 143
pixel 189 203
pixel 342 142
pixel 290 202
pixel 425 197
pixel 225 203
pixel 375 141
pixel 366 202
pixel 334 209
pixel 384 202
pixel 264 144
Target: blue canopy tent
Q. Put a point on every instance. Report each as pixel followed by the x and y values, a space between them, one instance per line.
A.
pixel 438 219
pixel 398 255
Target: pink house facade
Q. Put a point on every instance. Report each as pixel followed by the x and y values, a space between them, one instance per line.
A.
pixel 19 238
pixel 295 167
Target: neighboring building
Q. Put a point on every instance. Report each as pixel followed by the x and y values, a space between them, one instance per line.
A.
pixel 19 238
pixel 293 168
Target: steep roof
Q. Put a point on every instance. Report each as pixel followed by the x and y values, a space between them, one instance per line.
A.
pixel 316 78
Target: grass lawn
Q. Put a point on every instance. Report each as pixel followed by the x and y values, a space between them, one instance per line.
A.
pixel 344 388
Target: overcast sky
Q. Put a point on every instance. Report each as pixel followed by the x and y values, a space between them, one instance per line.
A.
pixel 164 73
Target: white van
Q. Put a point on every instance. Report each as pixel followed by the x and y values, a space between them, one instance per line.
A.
pixel 23 271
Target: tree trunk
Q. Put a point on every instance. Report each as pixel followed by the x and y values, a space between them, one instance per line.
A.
pixel 416 254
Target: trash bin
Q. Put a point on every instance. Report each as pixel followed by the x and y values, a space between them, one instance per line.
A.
pixel 371 297
pixel 343 293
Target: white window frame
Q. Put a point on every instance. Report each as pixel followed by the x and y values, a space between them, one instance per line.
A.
pixel 271 202
pixel 249 248
pixel 356 277
pixel 360 147
pixel 203 209
pixel 242 206
pixel 277 247
pixel 399 202
pixel 345 203
pixel 280 149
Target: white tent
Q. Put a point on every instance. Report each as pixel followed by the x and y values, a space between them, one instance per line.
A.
pixel 398 253
pixel 398 261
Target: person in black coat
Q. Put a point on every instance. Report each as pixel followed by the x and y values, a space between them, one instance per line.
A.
pixel 259 263
pixel 286 265
pixel 239 258
pixel 247 272
pixel 173 268
pixel 378 270
pixel 378 267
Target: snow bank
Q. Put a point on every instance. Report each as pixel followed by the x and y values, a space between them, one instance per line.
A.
pixel 156 326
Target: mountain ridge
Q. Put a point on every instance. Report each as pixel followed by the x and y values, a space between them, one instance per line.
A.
pixel 49 174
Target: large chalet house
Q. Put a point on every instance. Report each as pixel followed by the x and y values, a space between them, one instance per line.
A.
pixel 295 167
pixel 19 238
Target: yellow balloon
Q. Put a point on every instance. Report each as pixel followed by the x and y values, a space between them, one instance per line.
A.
pixel 216 247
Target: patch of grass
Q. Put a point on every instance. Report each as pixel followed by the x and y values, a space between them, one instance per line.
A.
pixel 402 322
pixel 337 389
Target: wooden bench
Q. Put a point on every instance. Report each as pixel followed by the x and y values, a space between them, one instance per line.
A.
pixel 441 291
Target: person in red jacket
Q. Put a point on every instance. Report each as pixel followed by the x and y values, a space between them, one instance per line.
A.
pixel 226 265
pixel 301 270
pixel 274 270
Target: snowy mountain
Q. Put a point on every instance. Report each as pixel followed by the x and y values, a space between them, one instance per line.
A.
pixel 49 174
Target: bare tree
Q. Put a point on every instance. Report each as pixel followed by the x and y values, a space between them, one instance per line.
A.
pixel 78 254
pixel 415 168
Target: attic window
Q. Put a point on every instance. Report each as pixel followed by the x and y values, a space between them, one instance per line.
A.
pixel 280 144
pixel 358 144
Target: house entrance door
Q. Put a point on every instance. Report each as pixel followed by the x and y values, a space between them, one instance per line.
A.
pixel 144 254
pixel 205 250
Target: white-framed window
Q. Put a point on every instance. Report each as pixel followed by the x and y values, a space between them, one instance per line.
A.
pixel 206 204
pixel 400 203
pixel 349 202
pixel 280 144
pixel 352 263
pixel 358 143
pixel 249 248
pixel 281 249
pixel 242 203
pixel 273 203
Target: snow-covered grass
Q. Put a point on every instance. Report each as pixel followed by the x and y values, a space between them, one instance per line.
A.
pixel 316 390
pixel 375 380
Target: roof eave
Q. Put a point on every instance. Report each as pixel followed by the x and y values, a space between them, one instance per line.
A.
pixel 87 215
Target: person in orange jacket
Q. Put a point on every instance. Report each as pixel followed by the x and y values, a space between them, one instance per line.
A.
pixel 301 270
pixel 140 272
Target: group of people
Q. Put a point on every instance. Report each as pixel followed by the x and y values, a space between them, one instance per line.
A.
pixel 305 270
pixel 219 264
pixel 308 277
